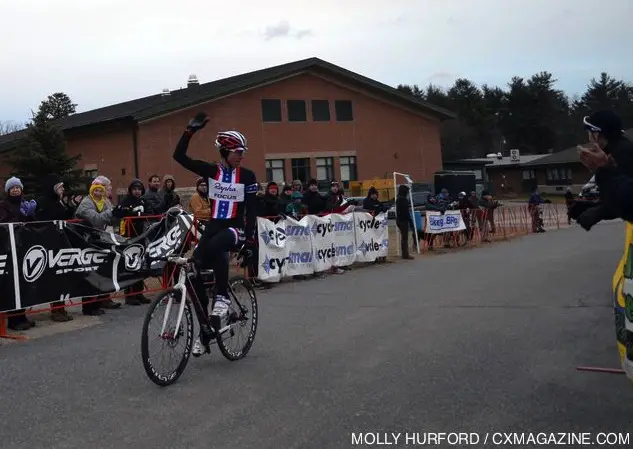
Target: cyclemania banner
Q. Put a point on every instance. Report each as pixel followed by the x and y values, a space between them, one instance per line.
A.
pixel 289 247
pixel 50 261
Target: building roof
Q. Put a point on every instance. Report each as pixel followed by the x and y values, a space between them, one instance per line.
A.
pixel 158 104
pixel 505 161
pixel 569 155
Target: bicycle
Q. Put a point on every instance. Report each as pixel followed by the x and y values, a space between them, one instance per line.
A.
pixel 183 294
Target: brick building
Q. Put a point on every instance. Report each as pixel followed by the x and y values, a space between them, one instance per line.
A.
pixel 304 119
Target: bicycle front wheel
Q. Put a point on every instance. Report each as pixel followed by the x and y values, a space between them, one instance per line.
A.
pixel 236 340
pixel 159 328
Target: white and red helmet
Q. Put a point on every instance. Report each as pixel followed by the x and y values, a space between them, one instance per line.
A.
pixel 230 141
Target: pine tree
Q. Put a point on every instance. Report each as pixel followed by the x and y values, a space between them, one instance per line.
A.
pixel 43 152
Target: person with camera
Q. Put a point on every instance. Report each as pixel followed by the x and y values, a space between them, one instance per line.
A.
pixel 609 154
pixel 233 202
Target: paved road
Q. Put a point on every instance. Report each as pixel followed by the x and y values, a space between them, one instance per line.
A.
pixel 486 339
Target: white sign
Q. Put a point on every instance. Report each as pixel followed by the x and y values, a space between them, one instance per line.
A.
pixel 344 240
pixel 515 156
pixel 372 237
pixel 300 258
pixel 290 247
pixel 272 249
pixel 449 221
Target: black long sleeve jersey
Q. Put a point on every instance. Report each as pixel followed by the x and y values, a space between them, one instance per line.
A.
pixel 231 191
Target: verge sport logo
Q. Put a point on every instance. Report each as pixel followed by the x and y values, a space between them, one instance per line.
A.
pixel 34 263
pixel 133 256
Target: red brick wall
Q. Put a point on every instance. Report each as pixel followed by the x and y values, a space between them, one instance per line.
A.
pixel 110 148
pixel 385 138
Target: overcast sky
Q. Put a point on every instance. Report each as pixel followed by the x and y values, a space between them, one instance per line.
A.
pixel 102 52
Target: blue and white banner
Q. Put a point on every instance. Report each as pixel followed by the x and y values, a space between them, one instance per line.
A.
pixel 438 222
pixel 290 247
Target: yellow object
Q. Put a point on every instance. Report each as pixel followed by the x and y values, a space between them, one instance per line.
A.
pixel 622 286
pixel 384 187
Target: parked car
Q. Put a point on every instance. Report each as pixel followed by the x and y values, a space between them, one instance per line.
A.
pixel 590 191
pixel 419 200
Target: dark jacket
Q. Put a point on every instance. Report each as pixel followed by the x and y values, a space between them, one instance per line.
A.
pixel 131 206
pixel 373 205
pixel 154 202
pixel 611 183
pixel 49 205
pixel 11 210
pixel 333 201
pixel 314 202
pixel 170 197
pixel 268 204
pixel 403 217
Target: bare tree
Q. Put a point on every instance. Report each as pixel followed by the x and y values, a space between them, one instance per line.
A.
pixel 7 127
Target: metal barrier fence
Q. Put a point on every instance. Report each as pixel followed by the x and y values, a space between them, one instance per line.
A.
pixel 482 226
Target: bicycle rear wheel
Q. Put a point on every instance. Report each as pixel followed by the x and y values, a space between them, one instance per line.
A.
pixel 163 315
pixel 236 341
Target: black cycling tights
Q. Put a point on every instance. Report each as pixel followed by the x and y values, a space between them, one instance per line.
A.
pixel 212 251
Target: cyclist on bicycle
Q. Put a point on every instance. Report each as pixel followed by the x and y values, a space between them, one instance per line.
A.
pixel 232 190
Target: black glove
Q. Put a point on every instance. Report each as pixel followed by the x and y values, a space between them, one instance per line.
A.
pixel 247 253
pixel 198 122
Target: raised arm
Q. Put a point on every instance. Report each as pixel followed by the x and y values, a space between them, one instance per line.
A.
pixel 199 167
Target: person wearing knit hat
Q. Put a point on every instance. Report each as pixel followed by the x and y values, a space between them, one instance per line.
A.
pixel 133 207
pixel 103 181
pixel 15 209
pixel 50 206
pixel 170 197
pixel 199 204
pixel 96 211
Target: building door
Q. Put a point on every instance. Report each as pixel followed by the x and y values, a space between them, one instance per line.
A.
pixel 301 169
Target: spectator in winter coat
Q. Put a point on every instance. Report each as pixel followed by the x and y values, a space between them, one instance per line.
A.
pixel 297 186
pixel 170 197
pixel 153 198
pixel 269 202
pixel 104 182
pixel 404 220
pixel 334 198
pixel 489 205
pixel 133 205
pixel 50 206
pixel 296 208
pixel 606 138
pixel 569 202
pixel 285 198
pixel 96 210
pixel 15 209
pixel 533 208
pixel 199 204
pixel 313 200
pixel 465 205
pixel 371 202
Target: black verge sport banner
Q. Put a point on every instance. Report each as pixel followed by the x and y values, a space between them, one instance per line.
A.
pixel 7 290
pixel 58 260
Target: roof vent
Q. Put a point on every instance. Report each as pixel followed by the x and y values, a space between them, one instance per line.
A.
pixel 193 81
pixel 165 93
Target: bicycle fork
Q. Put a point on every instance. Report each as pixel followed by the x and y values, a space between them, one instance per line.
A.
pixel 183 296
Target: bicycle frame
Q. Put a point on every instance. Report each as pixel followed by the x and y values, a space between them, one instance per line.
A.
pixel 185 286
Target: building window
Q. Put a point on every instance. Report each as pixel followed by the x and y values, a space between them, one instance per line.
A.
pixel 348 168
pixel 561 175
pixel 300 169
pixel 344 112
pixel 275 170
pixel 478 175
pixel 529 174
pixel 325 168
pixel 320 111
pixel 296 111
pixel 91 174
pixel 271 110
